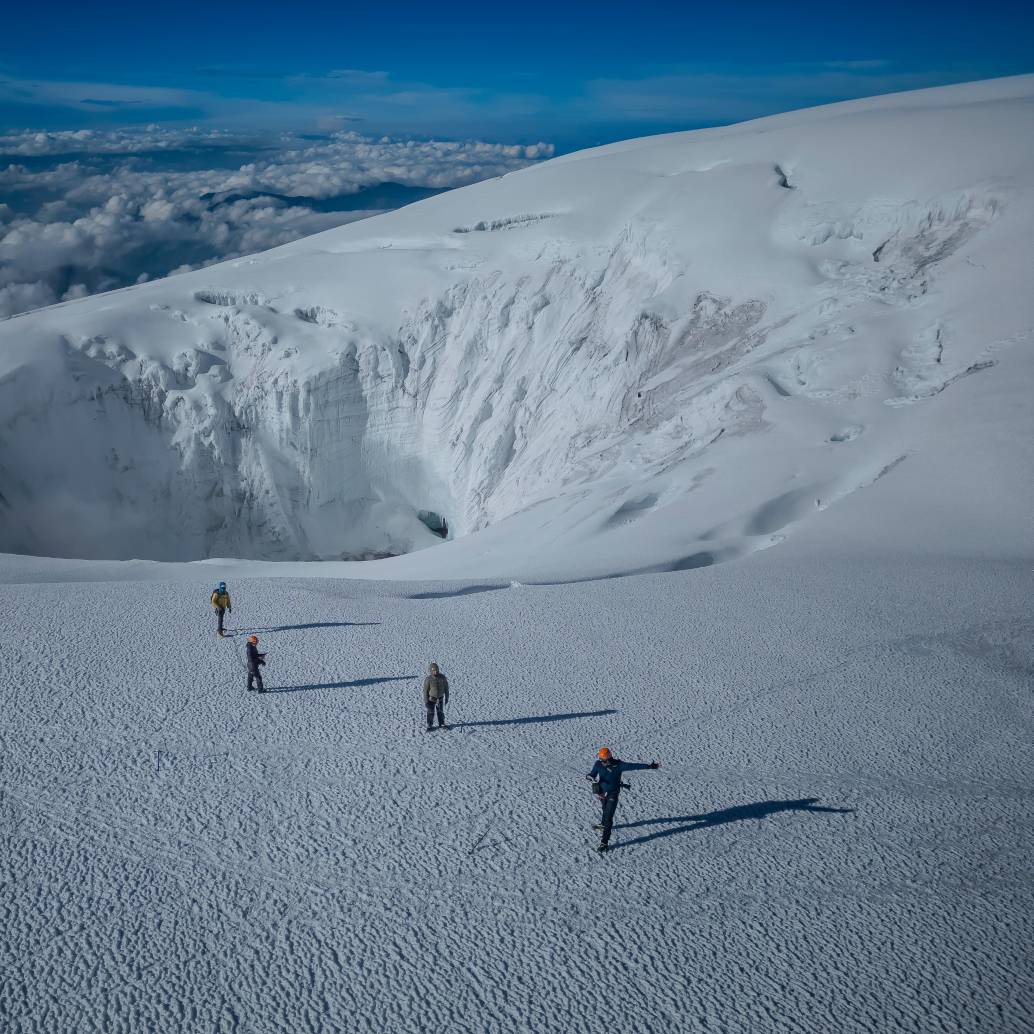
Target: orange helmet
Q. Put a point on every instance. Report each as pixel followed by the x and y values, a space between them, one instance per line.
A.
pixel 252 638
pixel 603 753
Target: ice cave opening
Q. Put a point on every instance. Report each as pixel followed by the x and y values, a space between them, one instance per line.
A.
pixel 434 522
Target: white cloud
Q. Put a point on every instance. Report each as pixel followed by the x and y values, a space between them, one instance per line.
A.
pixel 108 217
pixel 20 297
pixel 151 138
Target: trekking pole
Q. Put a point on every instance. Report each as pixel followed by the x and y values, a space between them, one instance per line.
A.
pixel 480 840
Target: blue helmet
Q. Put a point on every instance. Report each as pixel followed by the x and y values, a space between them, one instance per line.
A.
pixel 222 586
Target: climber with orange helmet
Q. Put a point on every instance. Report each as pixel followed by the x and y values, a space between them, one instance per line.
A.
pixel 606 785
pixel 255 661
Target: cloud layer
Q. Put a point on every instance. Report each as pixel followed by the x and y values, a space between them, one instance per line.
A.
pixel 85 211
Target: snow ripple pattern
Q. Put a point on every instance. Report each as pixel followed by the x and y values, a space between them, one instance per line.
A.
pixel 839 837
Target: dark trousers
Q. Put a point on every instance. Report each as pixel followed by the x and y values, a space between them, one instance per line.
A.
pixel 432 706
pixel 253 675
pixel 220 611
pixel 610 805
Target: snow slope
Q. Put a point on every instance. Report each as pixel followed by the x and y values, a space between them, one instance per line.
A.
pixel 659 354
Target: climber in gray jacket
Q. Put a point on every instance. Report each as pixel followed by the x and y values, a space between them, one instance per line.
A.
pixel 436 696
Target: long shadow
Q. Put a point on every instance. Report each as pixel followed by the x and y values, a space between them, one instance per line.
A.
pixel 535 719
pixel 469 590
pixel 292 628
pixel 354 684
pixel 739 813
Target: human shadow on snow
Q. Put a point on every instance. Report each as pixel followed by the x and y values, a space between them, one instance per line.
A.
pixel 354 684
pixel 534 719
pixel 739 813
pixel 293 628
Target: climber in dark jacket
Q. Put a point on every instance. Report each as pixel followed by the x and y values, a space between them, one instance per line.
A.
pixel 606 784
pixel 436 696
pixel 255 661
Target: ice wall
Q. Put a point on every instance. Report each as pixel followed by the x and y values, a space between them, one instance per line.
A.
pixel 483 400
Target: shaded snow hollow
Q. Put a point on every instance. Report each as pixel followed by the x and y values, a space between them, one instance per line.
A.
pixel 656 355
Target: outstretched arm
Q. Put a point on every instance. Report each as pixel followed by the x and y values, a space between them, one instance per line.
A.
pixel 634 766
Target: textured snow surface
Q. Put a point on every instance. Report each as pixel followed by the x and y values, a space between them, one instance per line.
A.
pixel 839 838
pixel 658 354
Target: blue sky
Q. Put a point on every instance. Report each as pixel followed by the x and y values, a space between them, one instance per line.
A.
pixel 569 73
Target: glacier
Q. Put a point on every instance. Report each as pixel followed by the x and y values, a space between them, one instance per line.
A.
pixel 679 347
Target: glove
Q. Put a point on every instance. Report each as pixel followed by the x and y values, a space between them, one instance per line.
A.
pixel 229 610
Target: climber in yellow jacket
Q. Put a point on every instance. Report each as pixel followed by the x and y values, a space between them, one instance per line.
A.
pixel 221 603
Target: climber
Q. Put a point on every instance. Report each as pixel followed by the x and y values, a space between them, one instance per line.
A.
pixel 221 604
pixel 606 785
pixel 436 696
pixel 255 661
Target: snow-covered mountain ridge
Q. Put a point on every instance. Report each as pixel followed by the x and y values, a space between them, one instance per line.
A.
pixel 673 349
